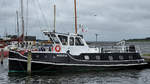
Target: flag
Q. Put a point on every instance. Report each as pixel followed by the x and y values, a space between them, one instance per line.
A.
pixel 83 28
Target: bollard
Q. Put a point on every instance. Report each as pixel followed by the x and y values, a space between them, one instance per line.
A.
pixel 29 63
pixel 2 56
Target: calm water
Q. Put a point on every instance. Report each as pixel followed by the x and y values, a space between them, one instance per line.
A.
pixel 101 77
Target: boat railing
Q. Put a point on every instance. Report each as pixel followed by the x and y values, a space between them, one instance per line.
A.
pixel 119 49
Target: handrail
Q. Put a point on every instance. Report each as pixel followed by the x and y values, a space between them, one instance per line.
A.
pixel 119 49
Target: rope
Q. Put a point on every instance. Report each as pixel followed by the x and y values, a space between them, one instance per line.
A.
pixel 43 15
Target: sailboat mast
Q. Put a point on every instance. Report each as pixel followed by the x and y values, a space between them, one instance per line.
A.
pixel 22 18
pixel 17 27
pixel 75 10
pixel 54 18
pixel 17 24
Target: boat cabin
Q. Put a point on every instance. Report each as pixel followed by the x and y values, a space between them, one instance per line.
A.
pixel 61 43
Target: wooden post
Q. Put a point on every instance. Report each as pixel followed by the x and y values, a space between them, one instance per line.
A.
pixel 29 63
pixel 2 56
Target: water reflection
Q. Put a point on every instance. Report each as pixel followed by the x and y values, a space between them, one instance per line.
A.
pixel 102 77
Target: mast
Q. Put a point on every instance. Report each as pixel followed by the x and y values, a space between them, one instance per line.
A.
pixel 22 18
pixel 27 13
pixel 17 28
pixel 75 10
pixel 54 18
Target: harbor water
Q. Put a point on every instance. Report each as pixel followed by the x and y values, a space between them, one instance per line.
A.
pixel 126 76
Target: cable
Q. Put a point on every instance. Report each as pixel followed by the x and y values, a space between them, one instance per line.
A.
pixel 43 15
pixel 3 4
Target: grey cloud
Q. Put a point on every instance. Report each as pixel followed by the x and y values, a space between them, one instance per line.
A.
pixel 112 19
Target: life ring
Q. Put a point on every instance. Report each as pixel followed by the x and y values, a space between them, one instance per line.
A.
pixel 57 48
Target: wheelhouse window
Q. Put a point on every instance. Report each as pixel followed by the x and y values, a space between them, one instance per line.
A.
pixel 51 40
pixel 63 39
pixel 78 42
pixel 55 39
pixel 71 41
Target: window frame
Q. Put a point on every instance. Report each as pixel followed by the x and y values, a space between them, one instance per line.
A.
pixel 56 41
pixel 70 41
pixel 61 40
pixel 81 43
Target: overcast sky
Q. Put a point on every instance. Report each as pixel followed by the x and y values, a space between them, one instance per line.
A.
pixel 113 20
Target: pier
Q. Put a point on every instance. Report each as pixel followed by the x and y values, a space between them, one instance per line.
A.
pixel 147 58
pixel 29 63
pixel 2 56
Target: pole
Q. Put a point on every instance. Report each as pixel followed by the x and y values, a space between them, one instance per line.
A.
pixel 17 27
pixel 75 9
pixel 96 37
pixel 54 18
pixel 22 18
pixel 29 63
pixel 6 34
pixel 2 56
pixel 27 13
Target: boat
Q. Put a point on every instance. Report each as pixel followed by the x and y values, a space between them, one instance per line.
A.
pixel 6 46
pixel 70 52
pixel 3 50
pixel 9 43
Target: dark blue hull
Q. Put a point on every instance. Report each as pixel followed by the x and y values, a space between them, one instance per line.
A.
pixel 19 66
pixel 50 62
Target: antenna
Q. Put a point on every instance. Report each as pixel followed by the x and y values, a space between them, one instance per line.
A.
pixel 6 34
pixel 54 18
pixel 96 37
pixel 75 9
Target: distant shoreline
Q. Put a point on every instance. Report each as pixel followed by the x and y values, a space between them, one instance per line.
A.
pixel 138 40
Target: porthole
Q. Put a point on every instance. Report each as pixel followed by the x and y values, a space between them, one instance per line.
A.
pixel 54 57
pixel 37 56
pixel 98 57
pixel 110 58
pixel 86 57
pixel 45 56
pixel 130 57
pixel 121 57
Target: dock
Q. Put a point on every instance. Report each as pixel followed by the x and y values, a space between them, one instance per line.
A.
pixel 147 58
